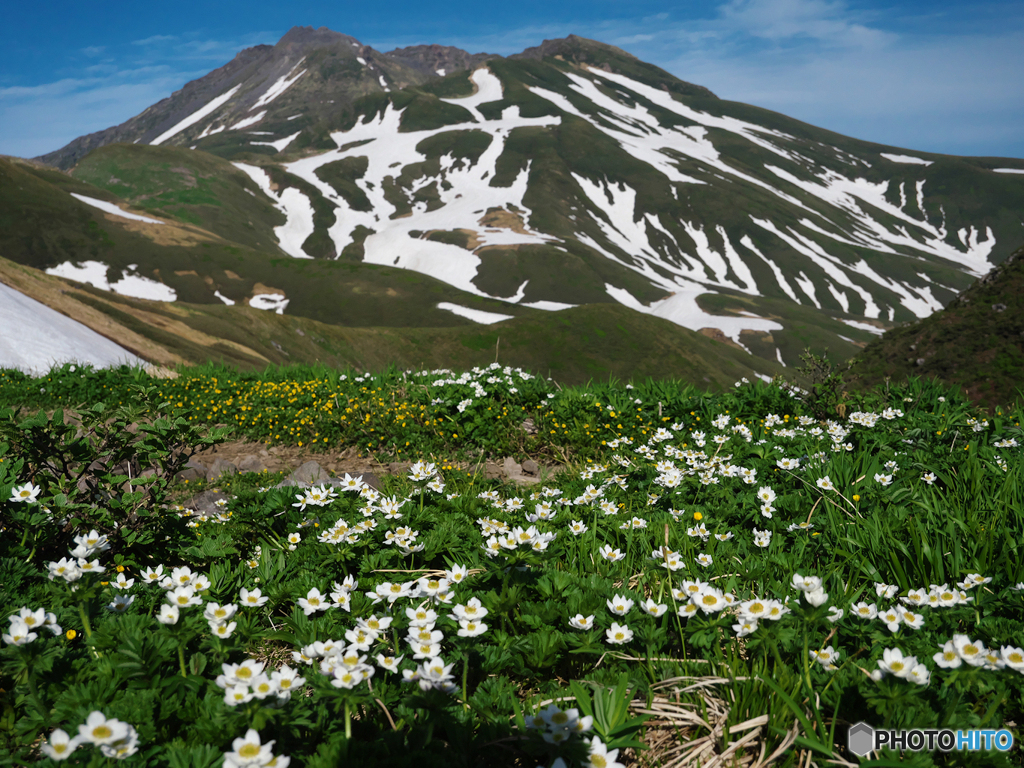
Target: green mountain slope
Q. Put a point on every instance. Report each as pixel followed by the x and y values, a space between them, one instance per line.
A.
pixel 573 346
pixel 366 189
pixel 977 342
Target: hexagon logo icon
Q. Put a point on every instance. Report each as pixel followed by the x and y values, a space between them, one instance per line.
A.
pixel 860 739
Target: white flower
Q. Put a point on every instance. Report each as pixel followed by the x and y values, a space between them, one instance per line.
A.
pixel 313 602
pixel 168 614
pixel 223 630
pixel 744 627
pixel 806 583
pixel 19 632
pixel 1013 657
pixel 652 608
pixel 816 597
pixel 704 560
pixel 60 745
pixel 619 634
pixel 948 658
pixel 826 484
pixel 620 605
pixel 895 663
pixel 98 730
pixel 579 621
pixel 600 757
pixel 26 493
pixel 253 599
pixel 249 750
pixel 611 555
pixel 471 628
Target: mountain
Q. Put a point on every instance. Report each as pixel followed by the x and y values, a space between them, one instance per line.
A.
pixel 302 83
pixel 386 189
pixel 976 342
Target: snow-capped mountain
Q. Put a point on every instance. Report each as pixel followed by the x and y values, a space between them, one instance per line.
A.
pixel 570 174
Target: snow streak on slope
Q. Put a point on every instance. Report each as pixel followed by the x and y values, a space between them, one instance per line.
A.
pixel 476 315
pixel 282 84
pixel 196 116
pixel 463 189
pixel 35 338
pixel 906 159
pixel 294 205
pixel 280 144
pixel 106 207
pixel 246 122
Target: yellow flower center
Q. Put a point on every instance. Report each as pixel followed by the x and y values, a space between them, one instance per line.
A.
pixel 102 732
pixel 249 750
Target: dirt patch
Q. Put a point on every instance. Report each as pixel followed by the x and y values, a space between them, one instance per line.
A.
pixel 502 219
pixel 260 289
pixel 232 275
pixel 280 458
pixel 717 335
pixel 167 233
pixel 183 272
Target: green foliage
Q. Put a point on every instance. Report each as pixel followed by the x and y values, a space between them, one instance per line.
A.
pixel 926 494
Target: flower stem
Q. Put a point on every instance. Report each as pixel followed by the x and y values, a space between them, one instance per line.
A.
pixel 181 660
pixel 348 721
pixel 83 614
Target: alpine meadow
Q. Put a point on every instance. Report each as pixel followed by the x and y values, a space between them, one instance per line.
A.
pixel 436 408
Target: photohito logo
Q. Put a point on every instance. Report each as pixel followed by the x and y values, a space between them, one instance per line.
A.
pixel 863 739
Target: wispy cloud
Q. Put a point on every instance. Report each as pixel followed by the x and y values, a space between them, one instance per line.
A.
pixel 155 40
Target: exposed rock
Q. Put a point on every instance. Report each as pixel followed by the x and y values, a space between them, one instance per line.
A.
pixel 221 467
pixel 251 464
pixel 511 467
pixel 398 467
pixel 530 467
pixel 309 473
pixel 206 502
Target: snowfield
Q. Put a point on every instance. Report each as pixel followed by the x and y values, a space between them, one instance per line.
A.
pixel 94 273
pixel 35 338
pixel 681 255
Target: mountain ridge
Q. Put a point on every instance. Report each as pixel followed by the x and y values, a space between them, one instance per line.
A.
pixel 571 174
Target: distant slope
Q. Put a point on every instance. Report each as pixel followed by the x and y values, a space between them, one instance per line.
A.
pixel 976 342
pixel 573 346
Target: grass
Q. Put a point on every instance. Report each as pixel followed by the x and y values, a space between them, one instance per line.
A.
pixel 579 617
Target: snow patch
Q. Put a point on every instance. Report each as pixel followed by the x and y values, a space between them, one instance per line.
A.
pixel 225 299
pixel 488 89
pixel 294 205
pixel 195 117
pixel 36 338
pixel 280 144
pixel 106 207
pixel 440 72
pixel 906 159
pixel 862 326
pixel 94 273
pixel 246 122
pixel 275 302
pixel 476 315
pixel 1008 170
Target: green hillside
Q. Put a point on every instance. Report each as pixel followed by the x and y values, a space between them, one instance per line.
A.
pixel 977 342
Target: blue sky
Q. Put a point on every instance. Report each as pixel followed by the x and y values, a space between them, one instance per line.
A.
pixel 941 76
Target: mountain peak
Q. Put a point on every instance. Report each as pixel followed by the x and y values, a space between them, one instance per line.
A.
pixel 308 36
pixel 584 51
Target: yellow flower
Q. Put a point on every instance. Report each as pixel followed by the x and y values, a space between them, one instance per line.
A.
pixel 856 497
pixel 120 569
pixel 71 634
pixel 698 516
